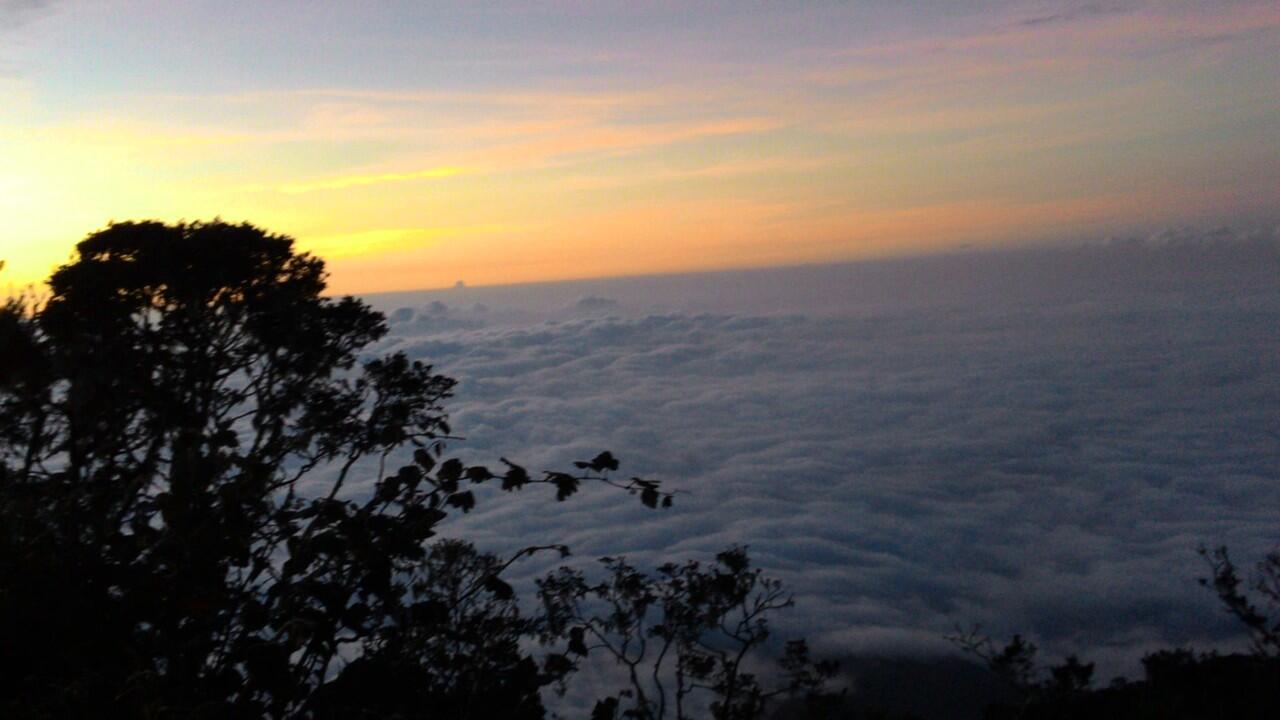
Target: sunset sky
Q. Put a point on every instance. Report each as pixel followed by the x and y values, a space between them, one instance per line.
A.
pixel 415 144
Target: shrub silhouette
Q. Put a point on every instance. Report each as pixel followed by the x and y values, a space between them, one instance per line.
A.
pixel 198 519
pixel 684 637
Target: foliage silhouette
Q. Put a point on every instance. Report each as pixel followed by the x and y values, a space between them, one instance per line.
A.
pixel 197 517
pixel 684 637
pixel 1177 685
pixel 1263 627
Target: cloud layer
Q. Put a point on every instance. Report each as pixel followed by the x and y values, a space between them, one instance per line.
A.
pixel 1039 453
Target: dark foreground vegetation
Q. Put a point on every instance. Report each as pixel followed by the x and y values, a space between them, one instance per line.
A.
pixel 211 506
pixel 199 518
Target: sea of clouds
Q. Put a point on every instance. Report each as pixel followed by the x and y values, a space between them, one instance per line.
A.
pixel 1034 440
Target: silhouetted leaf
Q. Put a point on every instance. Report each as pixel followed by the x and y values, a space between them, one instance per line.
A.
pixel 515 477
pixel 566 484
pixel 450 470
pixel 649 497
pixel 424 459
pixel 410 476
pixel 498 587
pixel 577 643
pixel 463 500
pixel 556 664
pixel 604 461
pixel 605 709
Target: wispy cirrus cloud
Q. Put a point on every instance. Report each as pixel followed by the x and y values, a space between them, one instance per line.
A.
pixel 16 13
pixel 1079 12
pixel 389 240
pixel 1089 36
pixel 350 181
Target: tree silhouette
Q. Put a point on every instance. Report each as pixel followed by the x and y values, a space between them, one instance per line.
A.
pixel 1262 623
pixel 197 517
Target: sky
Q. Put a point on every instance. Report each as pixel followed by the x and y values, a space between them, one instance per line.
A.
pixel 416 144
